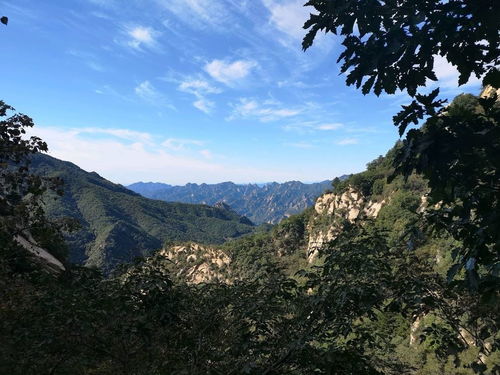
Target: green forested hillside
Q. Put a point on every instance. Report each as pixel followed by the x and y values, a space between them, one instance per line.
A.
pixel 405 277
pixel 383 296
pixel 118 225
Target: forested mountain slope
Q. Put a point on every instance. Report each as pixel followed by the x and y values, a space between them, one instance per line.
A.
pixel 359 233
pixel 117 224
pixel 383 293
pixel 269 203
pixel 303 240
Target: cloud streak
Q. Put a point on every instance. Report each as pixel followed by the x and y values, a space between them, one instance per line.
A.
pixel 200 88
pixel 265 112
pixel 147 92
pixel 198 14
pixel 142 36
pixel 348 141
pixel 180 144
pixel 229 72
pixel 122 159
pixel 302 145
pixel 288 17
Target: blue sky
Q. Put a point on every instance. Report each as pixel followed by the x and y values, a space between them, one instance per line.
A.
pixel 182 91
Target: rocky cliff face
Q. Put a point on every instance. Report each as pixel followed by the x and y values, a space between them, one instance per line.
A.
pixel 196 263
pixel 330 211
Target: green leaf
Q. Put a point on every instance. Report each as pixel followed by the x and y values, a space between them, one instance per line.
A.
pixel 452 272
pixel 492 78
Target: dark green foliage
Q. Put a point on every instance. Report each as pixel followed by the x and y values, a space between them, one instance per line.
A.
pixel 138 322
pixel 261 204
pixel 118 225
pixel 21 206
pixel 372 183
pixel 390 45
pixel 393 47
pixel 380 280
pixel 351 315
pixel 413 269
pixel 423 106
pixel 457 151
pixel 282 249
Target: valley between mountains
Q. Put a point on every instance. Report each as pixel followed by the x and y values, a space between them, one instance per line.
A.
pixel 365 279
pixel 264 203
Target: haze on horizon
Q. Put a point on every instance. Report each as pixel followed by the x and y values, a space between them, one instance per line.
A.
pixel 204 91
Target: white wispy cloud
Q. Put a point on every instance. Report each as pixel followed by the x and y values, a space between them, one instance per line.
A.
pixel 288 17
pixel 126 161
pixel 180 144
pixel 199 14
pixel 123 160
pixel 200 88
pixel 204 105
pixel 140 36
pixel 313 126
pixel 147 92
pixel 332 126
pixel 348 141
pixel 207 154
pixel 229 72
pixel 126 134
pixel 265 112
pixel 95 66
pixel 110 91
pixel 102 16
pixel 88 59
pixel 103 3
pixel 303 145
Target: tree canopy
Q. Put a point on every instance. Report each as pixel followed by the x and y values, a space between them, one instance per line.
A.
pixel 392 44
pixel 378 281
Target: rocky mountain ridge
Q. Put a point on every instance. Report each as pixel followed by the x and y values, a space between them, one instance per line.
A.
pixel 299 239
pixel 196 263
pixel 268 203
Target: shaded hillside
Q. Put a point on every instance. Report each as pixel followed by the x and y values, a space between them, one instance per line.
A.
pixel 269 203
pixel 118 224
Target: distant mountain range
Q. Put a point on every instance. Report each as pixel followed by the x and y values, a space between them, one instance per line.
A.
pixel 261 203
pixel 119 225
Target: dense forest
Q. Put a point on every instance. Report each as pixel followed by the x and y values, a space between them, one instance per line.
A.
pixel 394 271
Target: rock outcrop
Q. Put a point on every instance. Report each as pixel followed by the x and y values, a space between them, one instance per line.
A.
pixel 489 91
pixel 331 210
pixel 51 263
pixel 196 263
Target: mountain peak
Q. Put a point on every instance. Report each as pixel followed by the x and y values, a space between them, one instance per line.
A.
pixel 223 205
